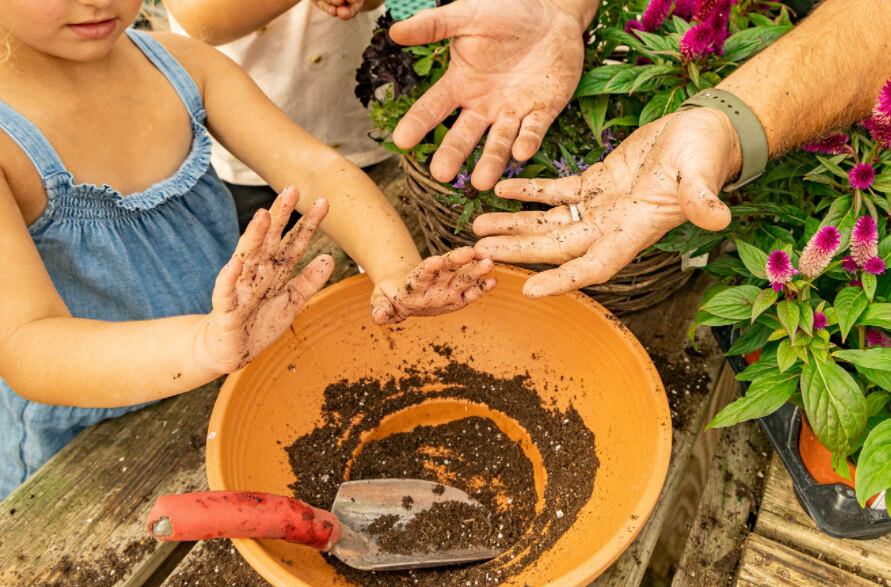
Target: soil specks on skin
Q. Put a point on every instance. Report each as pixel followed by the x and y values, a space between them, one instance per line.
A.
pixel 471 454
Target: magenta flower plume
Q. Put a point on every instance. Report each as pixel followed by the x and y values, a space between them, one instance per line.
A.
pixel 655 14
pixel 874 266
pixel 849 264
pixel 832 145
pixel 684 9
pixel 877 338
pixel 697 42
pixel 883 105
pixel 709 35
pixel 819 251
pixel 820 321
pixel 862 176
pixel 864 240
pixel 880 129
pixel 779 270
pixel 704 9
pixel 632 26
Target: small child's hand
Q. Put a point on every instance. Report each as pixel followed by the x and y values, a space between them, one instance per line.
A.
pixel 438 285
pixel 255 299
pixel 343 9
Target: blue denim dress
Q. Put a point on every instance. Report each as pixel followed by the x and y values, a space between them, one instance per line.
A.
pixel 148 255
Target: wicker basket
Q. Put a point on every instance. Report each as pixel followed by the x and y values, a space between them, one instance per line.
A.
pixel 649 279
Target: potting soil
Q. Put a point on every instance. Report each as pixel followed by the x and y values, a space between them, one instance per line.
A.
pixel 471 454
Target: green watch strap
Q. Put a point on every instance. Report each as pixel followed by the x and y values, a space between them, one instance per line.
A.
pixel 752 140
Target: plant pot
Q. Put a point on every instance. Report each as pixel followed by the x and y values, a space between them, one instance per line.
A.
pixel 652 277
pixel 279 397
pixel 831 503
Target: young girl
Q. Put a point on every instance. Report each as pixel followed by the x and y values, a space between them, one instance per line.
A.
pixel 113 226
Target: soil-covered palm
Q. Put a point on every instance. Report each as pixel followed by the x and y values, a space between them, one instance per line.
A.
pixel 664 174
pixel 513 66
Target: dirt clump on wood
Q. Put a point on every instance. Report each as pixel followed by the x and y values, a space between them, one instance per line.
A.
pixel 471 454
pixel 685 381
pixel 108 569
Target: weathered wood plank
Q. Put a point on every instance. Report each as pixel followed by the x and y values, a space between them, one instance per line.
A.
pixel 671 544
pixel 80 519
pixel 730 497
pixel 765 562
pixel 782 519
pixel 662 329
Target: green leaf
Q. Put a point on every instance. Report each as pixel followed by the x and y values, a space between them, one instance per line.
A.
pixel 872 358
pixel 764 300
pixel 876 402
pixel 778 334
pixel 880 377
pixel 752 338
pixel 869 285
pixel 834 404
pixel 594 112
pixel 594 81
pixel 789 314
pixel 840 465
pixel 878 315
pixel 649 72
pixel 439 133
pixel 807 318
pixel 874 464
pixel 661 104
pixel 764 397
pixel 422 66
pixel 733 303
pixel 753 258
pixel 756 370
pixel 849 305
pixel 391 146
pixel 786 357
pixel 831 165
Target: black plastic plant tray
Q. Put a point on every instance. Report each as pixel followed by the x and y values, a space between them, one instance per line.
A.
pixel 833 507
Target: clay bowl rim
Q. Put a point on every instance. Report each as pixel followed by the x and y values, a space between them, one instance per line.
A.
pixel 272 569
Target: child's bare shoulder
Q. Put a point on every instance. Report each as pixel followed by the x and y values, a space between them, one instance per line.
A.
pixel 196 57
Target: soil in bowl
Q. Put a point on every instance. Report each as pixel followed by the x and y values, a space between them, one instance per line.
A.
pixel 471 454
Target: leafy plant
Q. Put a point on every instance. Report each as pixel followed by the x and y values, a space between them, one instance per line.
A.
pixel 637 68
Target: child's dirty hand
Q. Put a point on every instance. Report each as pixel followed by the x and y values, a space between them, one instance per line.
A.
pixel 438 285
pixel 342 9
pixel 255 299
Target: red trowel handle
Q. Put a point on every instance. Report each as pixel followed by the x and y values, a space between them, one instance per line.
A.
pixel 242 514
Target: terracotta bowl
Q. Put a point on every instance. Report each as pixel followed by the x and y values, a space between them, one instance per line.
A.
pixel 617 390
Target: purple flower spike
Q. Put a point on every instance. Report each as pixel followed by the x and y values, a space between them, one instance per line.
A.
pixel 874 266
pixel 704 9
pixel 864 240
pixel 877 338
pixel 655 14
pixel 862 176
pixel 819 251
pixel 880 129
pixel 462 181
pixel 632 26
pixel 779 270
pixel 820 321
pixel 883 105
pixel 684 9
pixel 832 145
pixel 696 42
pixel 849 264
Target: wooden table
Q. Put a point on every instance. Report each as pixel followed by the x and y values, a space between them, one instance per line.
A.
pixel 81 519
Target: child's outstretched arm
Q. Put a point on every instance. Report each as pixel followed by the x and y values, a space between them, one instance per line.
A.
pixel 48 356
pixel 361 219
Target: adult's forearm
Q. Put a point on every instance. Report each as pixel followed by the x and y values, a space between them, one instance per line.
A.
pixel 823 75
pixel 222 21
pixel 88 363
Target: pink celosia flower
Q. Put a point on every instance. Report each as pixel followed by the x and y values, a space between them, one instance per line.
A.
pixel 880 129
pixel 684 9
pixel 877 338
pixel 862 176
pixel 849 264
pixel 874 266
pixel 632 26
pixel 819 251
pixel 709 35
pixel 655 14
pixel 704 9
pixel 883 105
pixel 779 270
pixel 835 144
pixel 696 42
pixel 820 321
pixel 864 240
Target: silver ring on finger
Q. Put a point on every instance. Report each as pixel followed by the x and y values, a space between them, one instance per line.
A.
pixel 573 209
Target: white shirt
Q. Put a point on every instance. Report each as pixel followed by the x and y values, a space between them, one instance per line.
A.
pixel 306 61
